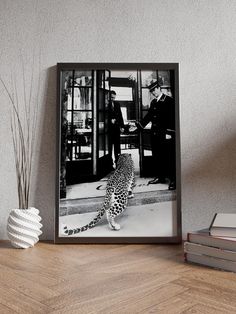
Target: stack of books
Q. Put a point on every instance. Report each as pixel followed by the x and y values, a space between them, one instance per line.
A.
pixel 215 246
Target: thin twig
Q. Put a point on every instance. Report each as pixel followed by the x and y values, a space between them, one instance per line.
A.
pixel 23 134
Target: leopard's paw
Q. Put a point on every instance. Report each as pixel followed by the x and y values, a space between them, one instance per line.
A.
pixel 114 227
pixel 131 195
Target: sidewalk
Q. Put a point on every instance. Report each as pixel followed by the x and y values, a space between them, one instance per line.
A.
pixel 153 220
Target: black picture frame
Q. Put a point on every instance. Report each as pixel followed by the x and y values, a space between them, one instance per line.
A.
pixel 91 90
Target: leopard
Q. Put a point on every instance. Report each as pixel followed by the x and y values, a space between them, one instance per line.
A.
pixel 119 189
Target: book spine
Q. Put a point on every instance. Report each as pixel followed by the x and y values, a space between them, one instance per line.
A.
pixel 188 237
pixel 213 262
pixel 200 249
pixel 185 257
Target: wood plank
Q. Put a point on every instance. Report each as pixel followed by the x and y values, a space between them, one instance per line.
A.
pixel 110 279
pixel 205 309
pixel 27 270
pixel 209 291
pixel 20 303
pixel 139 299
pixel 174 306
pixel 220 279
pixel 144 301
pixel 29 287
pixel 204 300
pixel 101 289
pixel 6 310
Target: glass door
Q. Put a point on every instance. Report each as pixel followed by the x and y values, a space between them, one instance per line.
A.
pixel 80 117
pixel 145 79
pixel 104 163
pixel 77 143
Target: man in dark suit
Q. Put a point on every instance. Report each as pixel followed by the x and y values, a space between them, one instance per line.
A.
pixel 116 125
pixel 162 116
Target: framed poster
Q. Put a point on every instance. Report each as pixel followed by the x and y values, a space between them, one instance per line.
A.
pixel 118 157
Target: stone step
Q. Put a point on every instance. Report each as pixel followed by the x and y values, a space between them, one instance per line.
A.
pixel 86 205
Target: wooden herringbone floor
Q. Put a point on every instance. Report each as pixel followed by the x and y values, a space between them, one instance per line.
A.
pixel 110 279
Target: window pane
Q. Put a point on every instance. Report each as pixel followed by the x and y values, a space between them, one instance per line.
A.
pixel 68 116
pixel 107 100
pixel 101 127
pixel 106 144
pixel 69 99
pixel 164 78
pixel 82 98
pixel 65 89
pixel 146 98
pixel 83 78
pixel 148 77
pixel 147 152
pixel 131 75
pixel 82 121
pixel 101 145
pixel 101 99
pixel 107 77
pixel 101 78
pixel 66 79
pixel 123 93
pixel 106 122
pixel 83 147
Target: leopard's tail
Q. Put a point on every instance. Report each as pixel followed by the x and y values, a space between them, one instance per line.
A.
pixel 86 227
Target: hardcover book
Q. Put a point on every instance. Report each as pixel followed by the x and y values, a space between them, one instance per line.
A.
pixel 203 237
pixel 211 261
pixel 200 249
pixel 223 224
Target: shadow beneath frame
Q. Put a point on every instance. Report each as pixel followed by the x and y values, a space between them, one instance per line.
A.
pixel 44 195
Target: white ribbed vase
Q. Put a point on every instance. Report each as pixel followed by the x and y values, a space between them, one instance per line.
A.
pixel 23 227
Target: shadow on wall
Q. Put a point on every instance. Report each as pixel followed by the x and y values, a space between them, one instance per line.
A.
pixel 44 196
pixel 209 186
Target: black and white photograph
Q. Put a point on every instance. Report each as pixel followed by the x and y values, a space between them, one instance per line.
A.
pixel 118 153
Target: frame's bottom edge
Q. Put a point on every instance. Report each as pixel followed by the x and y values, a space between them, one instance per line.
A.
pixel 131 240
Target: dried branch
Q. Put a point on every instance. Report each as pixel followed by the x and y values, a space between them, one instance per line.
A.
pixel 23 130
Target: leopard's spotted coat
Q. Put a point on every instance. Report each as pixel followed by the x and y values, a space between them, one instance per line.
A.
pixel 119 189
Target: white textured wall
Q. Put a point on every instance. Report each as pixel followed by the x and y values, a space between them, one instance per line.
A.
pixel 200 35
